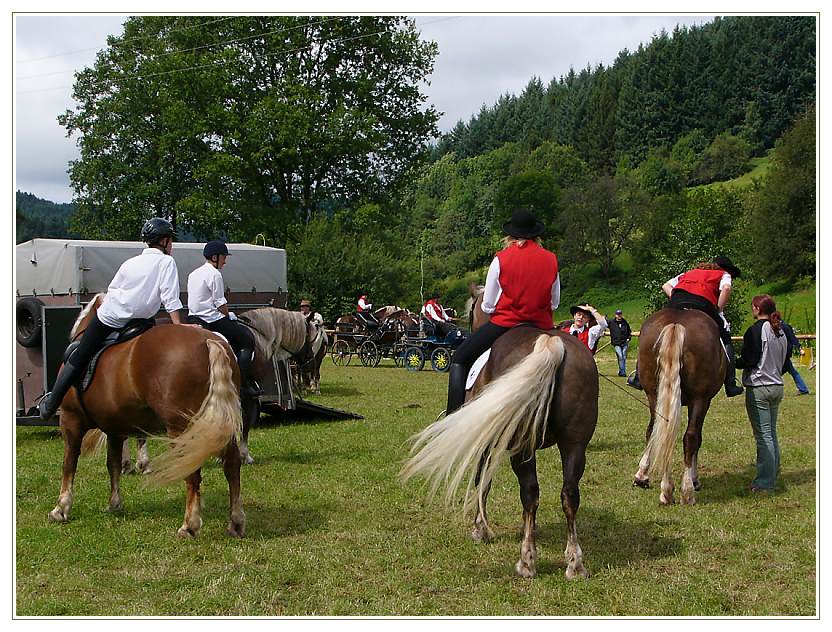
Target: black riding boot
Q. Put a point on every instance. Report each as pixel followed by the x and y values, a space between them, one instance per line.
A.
pixel 48 406
pixel 457 375
pixel 633 380
pixel 248 386
pixel 732 389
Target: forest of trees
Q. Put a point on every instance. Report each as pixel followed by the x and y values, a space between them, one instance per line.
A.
pixel 41 218
pixel 313 132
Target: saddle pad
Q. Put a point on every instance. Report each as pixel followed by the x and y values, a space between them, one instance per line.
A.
pixel 475 369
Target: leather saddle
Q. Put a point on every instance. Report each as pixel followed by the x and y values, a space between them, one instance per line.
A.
pixel 131 330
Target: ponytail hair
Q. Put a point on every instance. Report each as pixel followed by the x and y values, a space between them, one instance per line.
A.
pixel 766 306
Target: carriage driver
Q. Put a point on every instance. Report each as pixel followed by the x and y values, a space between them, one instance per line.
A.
pixel 140 287
pixel 364 312
pixel 522 286
pixel 707 288
pixel 208 307
pixel 433 311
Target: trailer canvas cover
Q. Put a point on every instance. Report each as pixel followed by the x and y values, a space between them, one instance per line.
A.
pixel 72 266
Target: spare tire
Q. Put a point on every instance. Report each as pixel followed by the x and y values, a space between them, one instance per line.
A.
pixel 29 322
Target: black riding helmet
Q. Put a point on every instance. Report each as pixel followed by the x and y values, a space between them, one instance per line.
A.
pixel 214 248
pixel 156 229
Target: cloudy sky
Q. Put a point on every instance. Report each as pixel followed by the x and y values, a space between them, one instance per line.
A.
pixel 480 58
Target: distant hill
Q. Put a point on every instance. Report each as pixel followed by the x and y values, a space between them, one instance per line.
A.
pixel 41 218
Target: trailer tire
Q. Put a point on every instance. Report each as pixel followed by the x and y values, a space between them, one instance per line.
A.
pixel 29 322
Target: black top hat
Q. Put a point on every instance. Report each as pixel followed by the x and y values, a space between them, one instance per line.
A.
pixel 523 225
pixel 726 264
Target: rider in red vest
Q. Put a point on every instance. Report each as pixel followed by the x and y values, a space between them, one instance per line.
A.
pixel 707 288
pixel 580 327
pixel 435 313
pixel 522 287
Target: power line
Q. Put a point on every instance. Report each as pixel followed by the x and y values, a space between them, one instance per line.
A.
pixel 223 63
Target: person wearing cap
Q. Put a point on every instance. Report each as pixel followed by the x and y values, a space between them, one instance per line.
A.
pixel 433 311
pixel 707 287
pixel 522 286
pixel 620 334
pixel 140 287
pixel 306 309
pixel 208 307
pixel 582 327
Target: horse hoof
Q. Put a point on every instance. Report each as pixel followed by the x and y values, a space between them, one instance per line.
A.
pixel 236 530
pixel 687 500
pixel 697 486
pixel 666 500
pixel 248 460
pixel 644 483
pixel 127 468
pixel 524 571
pixel 186 533
pixel 58 515
pixel 481 535
pixel 115 508
pixel 576 571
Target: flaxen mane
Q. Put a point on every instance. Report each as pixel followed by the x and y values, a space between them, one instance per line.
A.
pixel 277 332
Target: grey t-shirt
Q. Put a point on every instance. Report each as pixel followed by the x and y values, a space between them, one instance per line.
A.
pixel 768 370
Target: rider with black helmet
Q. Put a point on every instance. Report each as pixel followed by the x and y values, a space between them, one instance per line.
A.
pixel 140 287
pixel 208 307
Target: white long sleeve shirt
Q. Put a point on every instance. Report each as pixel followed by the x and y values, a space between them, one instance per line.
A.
pixel 206 293
pixel 493 289
pixel 140 287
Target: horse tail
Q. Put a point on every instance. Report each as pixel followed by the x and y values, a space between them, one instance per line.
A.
pixel 667 416
pixel 217 421
pixel 497 421
pixel 93 441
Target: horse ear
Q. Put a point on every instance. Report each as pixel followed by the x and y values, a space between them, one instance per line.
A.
pixel 309 317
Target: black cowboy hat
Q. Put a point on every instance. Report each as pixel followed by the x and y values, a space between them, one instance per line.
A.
pixel 726 264
pixel 523 225
pixel 578 308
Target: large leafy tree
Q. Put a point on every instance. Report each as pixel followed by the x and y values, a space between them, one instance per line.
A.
pixel 246 124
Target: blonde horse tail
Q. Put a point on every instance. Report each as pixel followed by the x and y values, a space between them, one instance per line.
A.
pixel 217 421
pixel 507 416
pixel 93 441
pixel 667 417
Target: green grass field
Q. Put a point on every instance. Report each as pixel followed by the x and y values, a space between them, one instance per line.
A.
pixel 332 532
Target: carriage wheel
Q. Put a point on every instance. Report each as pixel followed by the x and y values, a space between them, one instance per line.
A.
pixel 341 354
pixel 440 359
pixel 414 359
pixel 397 352
pixel 368 354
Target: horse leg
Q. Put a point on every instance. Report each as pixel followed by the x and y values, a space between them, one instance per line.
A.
pixel 142 457
pixel 251 413
pixel 115 450
pixel 73 433
pixel 482 531
pixel 573 461
pixel 231 467
pixel 641 479
pixel 526 471
pixel 193 521
pixel 692 442
pixel 126 462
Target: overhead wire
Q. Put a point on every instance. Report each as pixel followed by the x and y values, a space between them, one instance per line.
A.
pixel 223 63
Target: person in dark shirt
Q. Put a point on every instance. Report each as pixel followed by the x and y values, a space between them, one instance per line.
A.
pixel 620 334
pixel 794 343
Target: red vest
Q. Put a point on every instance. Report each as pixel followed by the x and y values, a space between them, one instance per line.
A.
pixel 583 336
pixel 437 307
pixel 527 274
pixel 704 283
pixel 359 308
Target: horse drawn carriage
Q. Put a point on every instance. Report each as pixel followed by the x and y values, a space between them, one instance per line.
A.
pixel 371 343
pixel 424 343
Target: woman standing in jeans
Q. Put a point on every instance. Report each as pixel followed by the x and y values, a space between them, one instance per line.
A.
pixel 764 352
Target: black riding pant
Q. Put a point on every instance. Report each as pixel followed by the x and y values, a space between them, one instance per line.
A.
pixel 477 344
pixel 239 336
pixel 91 341
pixel 685 300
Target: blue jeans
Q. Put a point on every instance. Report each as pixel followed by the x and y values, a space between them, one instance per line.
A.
pixel 798 381
pixel 621 353
pixel 762 404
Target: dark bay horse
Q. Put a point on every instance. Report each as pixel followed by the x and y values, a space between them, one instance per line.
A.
pixel 680 363
pixel 538 389
pixel 310 370
pixel 279 335
pixel 173 379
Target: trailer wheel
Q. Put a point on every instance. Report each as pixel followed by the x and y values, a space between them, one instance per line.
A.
pixel 29 322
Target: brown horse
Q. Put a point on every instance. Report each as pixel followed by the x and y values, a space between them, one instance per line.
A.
pixel 172 379
pixel 538 388
pixel 279 335
pixel 680 363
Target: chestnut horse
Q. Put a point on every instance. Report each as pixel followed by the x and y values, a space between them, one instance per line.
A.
pixel 680 363
pixel 172 379
pixel 279 335
pixel 539 388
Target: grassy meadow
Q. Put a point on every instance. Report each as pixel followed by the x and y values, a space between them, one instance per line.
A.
pixel 331 531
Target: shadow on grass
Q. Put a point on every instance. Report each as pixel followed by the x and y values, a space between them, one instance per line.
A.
pixel 41 434
pixel 730 485
pixel 277 521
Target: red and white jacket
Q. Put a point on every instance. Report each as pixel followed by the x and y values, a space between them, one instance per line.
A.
pixel 705 283
pixel 522 286
pixel 432 310
pixel 363 305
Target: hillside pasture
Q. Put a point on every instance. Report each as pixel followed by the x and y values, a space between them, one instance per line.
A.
pixel 331 532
